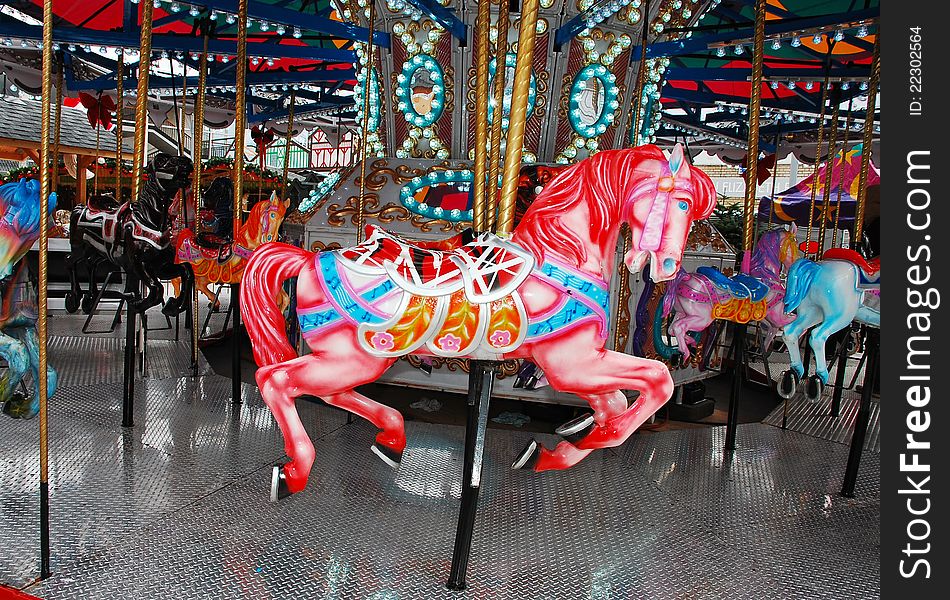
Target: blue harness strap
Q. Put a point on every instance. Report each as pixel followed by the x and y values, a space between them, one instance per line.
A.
pixel 341 305
pixel 590 297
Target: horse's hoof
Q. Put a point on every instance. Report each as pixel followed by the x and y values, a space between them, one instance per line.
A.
pixel 528 457
pixel 170 309
pixel 20 407
pixel 813 388
pixel 787 384
pixel 278 484
pixel 387 455
pixel 72 303
pixel 86 304
pixel 576 429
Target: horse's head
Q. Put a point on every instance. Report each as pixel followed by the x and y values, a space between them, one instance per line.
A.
pixel 270 215
pixel 171 173
pixel 660 210
pixel 788 251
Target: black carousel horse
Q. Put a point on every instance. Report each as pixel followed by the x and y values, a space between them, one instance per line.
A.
pixel 217 214
pixel 134 236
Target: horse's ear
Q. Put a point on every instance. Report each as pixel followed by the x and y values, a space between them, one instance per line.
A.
pixel 676 158
pixel 793 228
pixel 286 203
pixel 273 196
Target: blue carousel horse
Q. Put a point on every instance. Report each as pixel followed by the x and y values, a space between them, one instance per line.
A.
pixel 19 344
pixel 828 296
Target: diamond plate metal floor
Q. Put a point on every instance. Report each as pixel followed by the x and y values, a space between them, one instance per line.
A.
pixel 177 507
pixel 814 418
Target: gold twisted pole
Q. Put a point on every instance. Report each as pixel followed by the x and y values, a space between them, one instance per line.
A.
pixel 240 124
pixel 501 68
pixel 821 136
pixel 829 171
pixel 641 78
pixel 370 58
pixel 868 138
pixel 198 124
pixel 141 99
pixel 240 114
pixel 482 25
pixel 287 145
pixel 516 121
pixel 844 149
pixel 47 74
pixel 119 100
pixel 752 163
pixel 59 122
pixel 621 324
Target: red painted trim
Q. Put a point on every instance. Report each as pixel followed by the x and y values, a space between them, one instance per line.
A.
pixel 12 594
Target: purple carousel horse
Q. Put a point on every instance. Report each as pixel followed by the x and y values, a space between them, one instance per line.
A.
pixel 696 299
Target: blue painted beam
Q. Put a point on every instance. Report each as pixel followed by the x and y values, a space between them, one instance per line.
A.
pixel 445 17
pixel 293 18
pixel 765 145
pixel 699 44
pixel 299 110
pixel 567 31
pixel 740 74
pixel 186 43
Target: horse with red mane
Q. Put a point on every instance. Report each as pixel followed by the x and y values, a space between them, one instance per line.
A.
pixel 542 295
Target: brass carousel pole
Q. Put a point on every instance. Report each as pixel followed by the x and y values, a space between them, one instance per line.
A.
pixel 829 169
pixel 482 372
pixel 844 148
pixel 138 159
pixel 739 332
pixel 47 71
pixel 364 134
pixel 872 345
pixel 622 322
pixel 287 145
pixel 119 97
pixel 519 108
pixel 482 26
pixel 240 122
pixel 494 159
pixel 868 138
pixel 198 135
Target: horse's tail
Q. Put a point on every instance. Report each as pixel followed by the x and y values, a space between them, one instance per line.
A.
pixel 264 275
pixel 800 277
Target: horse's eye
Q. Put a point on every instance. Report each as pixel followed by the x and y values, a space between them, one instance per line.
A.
pixel 683 205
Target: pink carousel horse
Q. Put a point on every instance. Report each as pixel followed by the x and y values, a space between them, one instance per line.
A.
pixel 699 298
pixel 542 295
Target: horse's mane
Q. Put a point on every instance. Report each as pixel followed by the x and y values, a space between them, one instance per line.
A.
pixel 603 190
pixel 766 248
pixel 21 213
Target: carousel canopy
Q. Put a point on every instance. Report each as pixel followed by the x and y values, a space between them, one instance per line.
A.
pixel 794 203
pixel 707 88
pixel 296 45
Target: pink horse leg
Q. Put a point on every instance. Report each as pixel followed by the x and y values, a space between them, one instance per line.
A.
pixel 597 375
pixel 331 372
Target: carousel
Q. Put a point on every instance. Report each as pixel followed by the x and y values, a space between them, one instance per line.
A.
pixel 301 211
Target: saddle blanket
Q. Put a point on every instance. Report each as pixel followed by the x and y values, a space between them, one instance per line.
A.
pixel 460 301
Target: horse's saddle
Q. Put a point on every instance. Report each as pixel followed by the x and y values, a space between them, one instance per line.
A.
pixel 104 214
pixel 102 203
pixel 485 266
pixel 739 286
pixel 869 271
